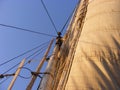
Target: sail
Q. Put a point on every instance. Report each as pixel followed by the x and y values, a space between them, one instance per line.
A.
pixel 96 62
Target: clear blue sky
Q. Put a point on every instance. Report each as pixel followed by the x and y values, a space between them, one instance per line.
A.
pixel 28 14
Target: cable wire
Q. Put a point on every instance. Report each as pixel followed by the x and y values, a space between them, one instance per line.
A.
pixel 4 80
pixel 12 68
pixel 21 54
pixel 24 77
pixel 68 19
pixel 33 58
pixel 27 30
pixel 27 69
pixel 20 62
pixel 42 49
pixel 49 16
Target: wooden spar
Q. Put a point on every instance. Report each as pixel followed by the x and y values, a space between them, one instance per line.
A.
pixel 39 66
pixel 16 74
pixel 46 83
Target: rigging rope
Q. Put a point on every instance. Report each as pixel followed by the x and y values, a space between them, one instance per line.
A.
pixel 12 68
pixel 49 16
pixel 34 56
pixel 32 73
pixel 24 77
pixel 20 62
pixel 27 30
pixel 68 19
pixel 4 80
pixel 21 54
pixel 44 47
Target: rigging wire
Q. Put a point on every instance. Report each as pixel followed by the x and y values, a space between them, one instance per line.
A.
pixel 8 75
pixel 68 19
pixel 42 48
pixel 4 80
pixel 27 30
pixel 34 57
pixel 12 68
pixel 20 62
pixel 27 69
pixel 32 73
pixel 49 16
pixel 21 54
pixel 24 77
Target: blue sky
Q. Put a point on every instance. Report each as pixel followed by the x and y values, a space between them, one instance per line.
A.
pixel 28 14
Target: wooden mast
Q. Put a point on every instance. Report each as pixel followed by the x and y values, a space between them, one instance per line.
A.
pixel 16 74
pixel 29 87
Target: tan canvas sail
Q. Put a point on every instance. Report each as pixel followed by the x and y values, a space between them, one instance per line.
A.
pixel 96 63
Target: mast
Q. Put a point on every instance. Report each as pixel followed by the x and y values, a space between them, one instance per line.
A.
pixel 47 81
pixel 16 74
pixel 34 77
